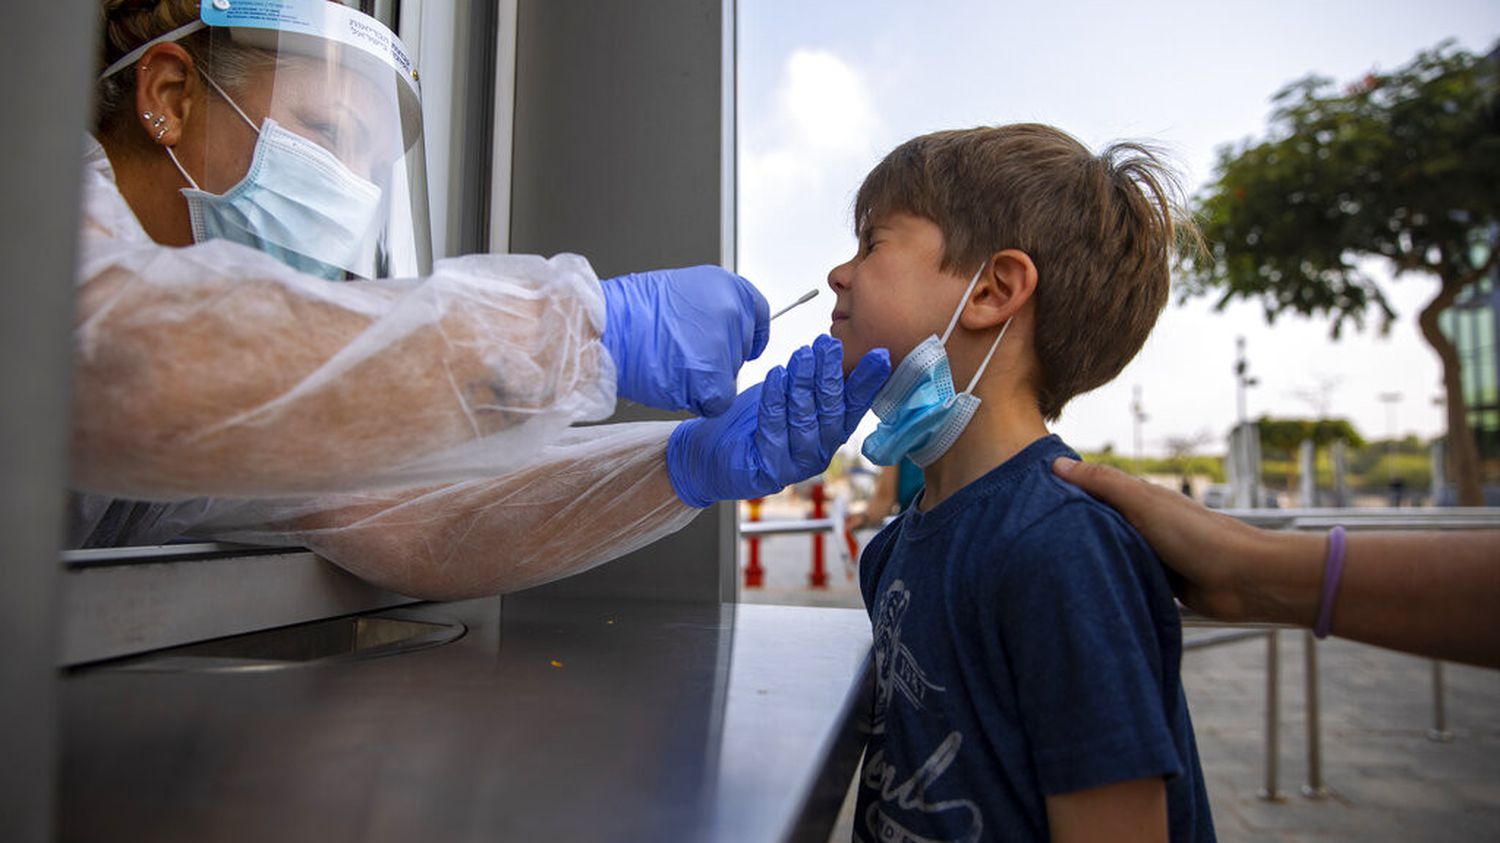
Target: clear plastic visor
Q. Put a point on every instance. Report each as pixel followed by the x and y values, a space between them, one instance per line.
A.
pixel 322 141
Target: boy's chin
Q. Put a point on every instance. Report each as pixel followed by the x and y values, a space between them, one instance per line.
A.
pixel 852 355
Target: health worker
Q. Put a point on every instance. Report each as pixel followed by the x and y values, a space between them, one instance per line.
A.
pixel 265 353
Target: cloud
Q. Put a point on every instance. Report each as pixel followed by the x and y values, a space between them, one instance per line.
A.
pixel 803 153
pixel 821 121
pixel 825 104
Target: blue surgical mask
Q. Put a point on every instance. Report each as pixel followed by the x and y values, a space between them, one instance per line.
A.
pixel 297 203
pixel 921 415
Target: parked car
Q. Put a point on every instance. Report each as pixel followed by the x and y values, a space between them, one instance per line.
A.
pixel 1221 495
pixel 1217 496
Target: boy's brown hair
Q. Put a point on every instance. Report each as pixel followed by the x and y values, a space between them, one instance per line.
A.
pixel 1101 229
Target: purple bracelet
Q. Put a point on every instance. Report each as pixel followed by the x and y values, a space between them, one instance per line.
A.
pixel 1333 571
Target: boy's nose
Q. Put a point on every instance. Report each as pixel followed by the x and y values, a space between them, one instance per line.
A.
pixel 838 277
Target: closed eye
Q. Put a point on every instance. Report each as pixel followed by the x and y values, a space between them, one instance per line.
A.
pixel 328 132
pixel 868 239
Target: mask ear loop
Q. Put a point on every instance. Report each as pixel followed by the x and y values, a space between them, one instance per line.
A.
pixel 178 164
pixel 232 104
pixel 961 302
pixel 952 323
pixel 237 110
pixel 994 345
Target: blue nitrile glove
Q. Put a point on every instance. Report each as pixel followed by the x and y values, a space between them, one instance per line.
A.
pixel 778 432
pixel 679 336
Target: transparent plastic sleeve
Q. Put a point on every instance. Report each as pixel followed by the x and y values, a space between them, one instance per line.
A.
pixel 416 433
pixel 594 494
pixel 215 370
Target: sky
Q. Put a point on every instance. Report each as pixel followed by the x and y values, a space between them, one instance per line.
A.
pixel 825 89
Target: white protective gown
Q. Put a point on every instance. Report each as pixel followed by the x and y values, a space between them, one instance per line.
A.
pixel 415 432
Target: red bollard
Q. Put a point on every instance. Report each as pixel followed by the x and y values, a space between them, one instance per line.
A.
pixel 755 575
pixel 819 576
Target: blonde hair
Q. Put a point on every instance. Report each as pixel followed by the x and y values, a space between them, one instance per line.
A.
pixel 1101 229
pixel 130 23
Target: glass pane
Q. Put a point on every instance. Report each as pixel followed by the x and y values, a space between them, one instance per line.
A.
pixel 1486 378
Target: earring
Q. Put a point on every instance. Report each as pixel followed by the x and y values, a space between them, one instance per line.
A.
pixel 162 118
pixel 146 115
pixel 161 133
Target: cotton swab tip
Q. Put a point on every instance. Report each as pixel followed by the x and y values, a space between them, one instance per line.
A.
pixel 803 299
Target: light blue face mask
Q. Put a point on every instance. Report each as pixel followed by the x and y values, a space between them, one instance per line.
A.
pixel 297 203
pixel 920 414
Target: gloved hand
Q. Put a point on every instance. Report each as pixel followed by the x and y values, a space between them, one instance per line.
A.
pixel 679 336
pixel 778 432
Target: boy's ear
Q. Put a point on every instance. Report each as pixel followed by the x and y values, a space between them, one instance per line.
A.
pixel 1006 285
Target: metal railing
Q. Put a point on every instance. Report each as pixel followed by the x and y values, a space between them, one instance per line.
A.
pixel 1372 518
pixel 1422 519
pixel 1418 519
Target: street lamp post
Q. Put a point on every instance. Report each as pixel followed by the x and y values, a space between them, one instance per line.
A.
pixel 1244 445
pixel 1390 400
pixel 1242 377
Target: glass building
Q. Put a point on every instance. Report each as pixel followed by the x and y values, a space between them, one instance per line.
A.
pixel 1471 325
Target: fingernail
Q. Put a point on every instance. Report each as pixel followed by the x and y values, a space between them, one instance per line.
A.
pixel 1063 465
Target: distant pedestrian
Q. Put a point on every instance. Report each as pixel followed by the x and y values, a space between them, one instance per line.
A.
pixel 1398 490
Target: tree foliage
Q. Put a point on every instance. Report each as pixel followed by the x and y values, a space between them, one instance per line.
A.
pixel 1402 165
pixel 1284 436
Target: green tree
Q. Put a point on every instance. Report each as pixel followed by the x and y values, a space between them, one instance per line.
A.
pixel 1181 450
pixel 1402 165
pixel 1280 439
pixel 1284 436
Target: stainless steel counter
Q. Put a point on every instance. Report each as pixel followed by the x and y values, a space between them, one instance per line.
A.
pixel 573 720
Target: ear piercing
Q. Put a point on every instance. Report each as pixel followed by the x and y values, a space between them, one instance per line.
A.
pixel 158 123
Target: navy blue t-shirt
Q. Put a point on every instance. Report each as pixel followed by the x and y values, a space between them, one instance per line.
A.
pixel 1026 645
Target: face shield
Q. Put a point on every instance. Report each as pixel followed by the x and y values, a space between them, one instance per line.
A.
pixel 320 163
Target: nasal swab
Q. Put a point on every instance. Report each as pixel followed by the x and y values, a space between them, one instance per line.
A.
pixel 806 297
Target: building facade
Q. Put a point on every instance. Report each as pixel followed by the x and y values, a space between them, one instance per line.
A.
pixel 1471 324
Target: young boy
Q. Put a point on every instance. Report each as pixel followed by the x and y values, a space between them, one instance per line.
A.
pixel 1026 642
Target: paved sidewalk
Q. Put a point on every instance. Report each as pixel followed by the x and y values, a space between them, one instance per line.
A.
pixel 1386 780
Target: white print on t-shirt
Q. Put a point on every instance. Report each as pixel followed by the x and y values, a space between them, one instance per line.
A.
pixel 896 669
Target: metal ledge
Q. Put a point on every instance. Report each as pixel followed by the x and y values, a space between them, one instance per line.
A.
pixel 97 557
pixel 305 644
pixel 119 603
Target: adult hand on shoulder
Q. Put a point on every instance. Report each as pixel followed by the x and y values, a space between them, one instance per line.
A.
pixel 1429 593
pixel 679 336
pixel 1205 549
pixel 781 431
